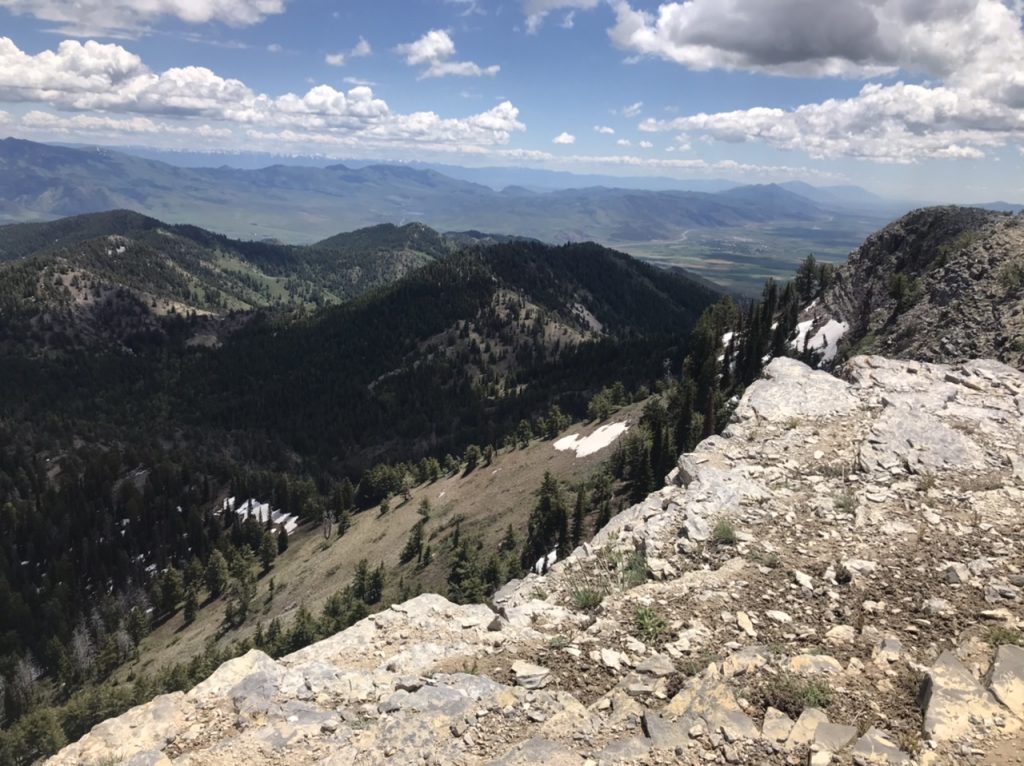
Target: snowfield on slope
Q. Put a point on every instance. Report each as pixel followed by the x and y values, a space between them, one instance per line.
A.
pixel 595 442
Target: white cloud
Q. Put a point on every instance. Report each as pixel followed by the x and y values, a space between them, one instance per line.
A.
pixel 274 48
pixel 972 51
pixel 97 16
pixel 564 138
pixel 80 123
pixel 897 123
pixel 646 145
pixel 470 7
pixel 537 10
pixel 604 130
pixel 91 77
pixel 434 50
pixel 359 81
pixel 361 50
pixel 624 142
pixel 569 21
pixel 860 38
pixel 633 109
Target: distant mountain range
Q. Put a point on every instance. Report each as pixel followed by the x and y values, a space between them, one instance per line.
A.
pixel 303 204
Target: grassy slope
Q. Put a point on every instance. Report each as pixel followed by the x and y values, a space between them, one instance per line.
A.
pixel 488 500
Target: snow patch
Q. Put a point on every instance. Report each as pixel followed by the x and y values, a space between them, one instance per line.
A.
pixel 597 441
pixel 544 562
pixel 827 339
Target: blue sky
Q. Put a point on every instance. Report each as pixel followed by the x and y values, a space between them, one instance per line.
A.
pixel 913 99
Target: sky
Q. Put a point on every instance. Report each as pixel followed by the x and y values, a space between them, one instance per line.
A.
pixel 915 99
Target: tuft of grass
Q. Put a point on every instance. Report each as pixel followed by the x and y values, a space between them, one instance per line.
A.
pixel 984 483
pixel 843 575
pixel 1001 635
pixel 634 573
pixel 650 625
pixel 845 502
pixel 925 482
pixel 587 599
pixel 792 694
pixel 723 533
pixel 1011 276
pixel 558 642
pixel 768 559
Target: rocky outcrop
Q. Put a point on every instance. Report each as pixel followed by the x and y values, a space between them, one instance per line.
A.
pixel 836 579
pixel 962 289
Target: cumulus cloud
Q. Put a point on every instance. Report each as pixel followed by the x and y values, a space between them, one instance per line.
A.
pixel 564 139
pixel 970 51
pixel 97 16
pixel 897 123
pixel 112 81
pixel 604 130
pixel 435 50
pixel 794 37
pixel 624 142
pixel 646 145
pixel 537 10
pixel 360 50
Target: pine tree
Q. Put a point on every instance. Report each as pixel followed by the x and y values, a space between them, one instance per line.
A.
pixel 268 551
pixel 548 519
pixel 344 521
pixel 414 545
pixel 465 583
pixel 282 540
pixel 216 574
pixel 578 518
pixel 191 605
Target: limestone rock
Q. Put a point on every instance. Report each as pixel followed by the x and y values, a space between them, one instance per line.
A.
pixel 1007 682
pixel 951 698
pixel 876 747
pixel 530 676
pixel 709 698
pixel 834 736
pixel 777 725
pixel 806 725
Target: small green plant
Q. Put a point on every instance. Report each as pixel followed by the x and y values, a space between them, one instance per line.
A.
pixel 792 423
pixel 724 534
pixel 1011 276
pixel 905 291
pixel 649 624
pixel 558 642
pixel 587 599
pixel 1000 635
pixel 844 502
pixel 635 571
pixel 768 559
pixel 843 575
pixel 792 694
pixel 925 482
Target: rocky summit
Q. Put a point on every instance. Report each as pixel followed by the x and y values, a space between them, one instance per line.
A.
pixel 940 284
pixel 835 579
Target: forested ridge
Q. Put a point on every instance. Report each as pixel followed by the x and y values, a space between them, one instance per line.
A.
pixel 112 464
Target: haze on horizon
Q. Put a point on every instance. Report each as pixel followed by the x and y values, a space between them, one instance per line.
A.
pixel 909 99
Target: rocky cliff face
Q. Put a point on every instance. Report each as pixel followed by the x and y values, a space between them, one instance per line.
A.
pixel 961 295
pixel 836 579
